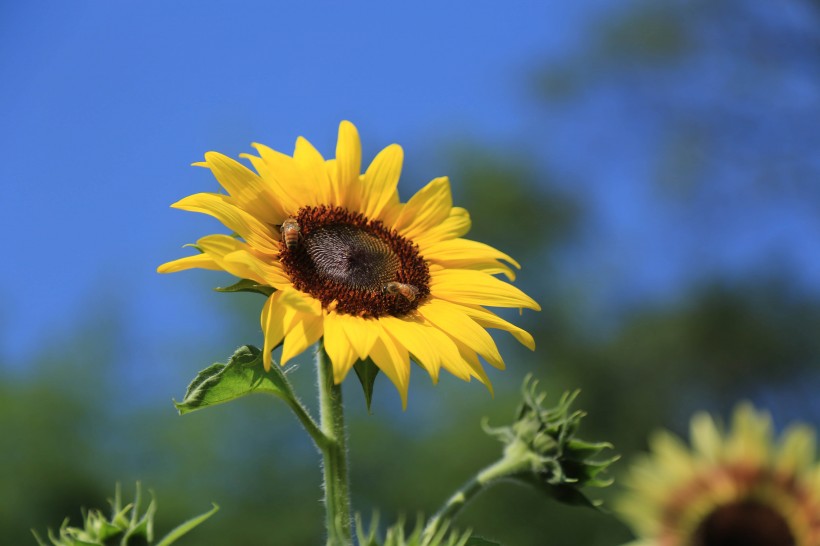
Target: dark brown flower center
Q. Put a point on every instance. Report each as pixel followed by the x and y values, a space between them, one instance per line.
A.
pixel 744 523
pixel 344 257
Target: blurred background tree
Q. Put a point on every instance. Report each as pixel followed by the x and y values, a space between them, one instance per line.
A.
pixel 714 106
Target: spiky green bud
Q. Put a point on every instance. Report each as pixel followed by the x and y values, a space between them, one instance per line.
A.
pixel 126 527
pixel 541 449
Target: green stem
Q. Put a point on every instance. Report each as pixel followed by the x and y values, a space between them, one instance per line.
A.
pixel 334 454
pixel 496 471
pixel 307 421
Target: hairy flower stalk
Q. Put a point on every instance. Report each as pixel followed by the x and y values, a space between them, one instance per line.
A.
pixel 334 454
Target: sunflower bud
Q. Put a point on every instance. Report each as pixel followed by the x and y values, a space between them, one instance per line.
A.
pixel 125 527
pixel 541 449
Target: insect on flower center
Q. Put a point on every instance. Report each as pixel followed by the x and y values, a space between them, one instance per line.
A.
pixel 746 523
pixel 351 264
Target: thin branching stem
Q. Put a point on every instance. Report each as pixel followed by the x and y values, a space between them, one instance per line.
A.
pixel 308 423
pixel 491 474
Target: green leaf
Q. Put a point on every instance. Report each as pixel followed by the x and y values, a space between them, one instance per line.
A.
pixel 244 374
pixel 183 529
pixel 247 285
pixel 366 371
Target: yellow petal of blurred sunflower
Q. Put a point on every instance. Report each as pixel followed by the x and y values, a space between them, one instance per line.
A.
pixel 738 487
pixel 350 263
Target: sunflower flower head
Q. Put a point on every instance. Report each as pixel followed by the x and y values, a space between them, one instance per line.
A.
pixel 735 487
pixel 344 259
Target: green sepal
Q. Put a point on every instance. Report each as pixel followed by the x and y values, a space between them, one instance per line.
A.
pixel 244 374
pixel 582 449
pixel 183 528
pixel 366 371
pixel 564 493
pixel 247 285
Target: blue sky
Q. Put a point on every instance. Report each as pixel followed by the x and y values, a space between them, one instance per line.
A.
pixel 105 105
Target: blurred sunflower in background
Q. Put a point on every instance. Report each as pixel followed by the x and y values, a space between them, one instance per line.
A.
pixel 739 488
pixel 349 263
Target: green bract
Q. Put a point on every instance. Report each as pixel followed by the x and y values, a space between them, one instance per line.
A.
pixel 396 535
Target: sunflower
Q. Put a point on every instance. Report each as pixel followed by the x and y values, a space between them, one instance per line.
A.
pixel 350 263
pixel 733 489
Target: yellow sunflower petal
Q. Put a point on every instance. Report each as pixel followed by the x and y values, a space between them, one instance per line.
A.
pixel 393 359
pixel 457 224
pixel 427 209
pixel 751 435
pixel 331 168
pixel 476 369
pixel 380 181
pixel 456 251
pixel 235 257
pixel 488 319
pixel 705 436
pixel 200 261
pixel 219 244
pixel 672 455
pixel 338 346
pixel 246 187
pixel 415 337
pixel 451 360
pixel 272 321
pixel 281 172
pixel 314 174
pixel 284 313
pixel 305 333
pixel 476 288
pixel 462 328
pixel 242 264
pixel 797 450
pixel 222 207
pixel 348 167
pixel 490 269
pixel 301 302
pixel 466 254
pixel 362 333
